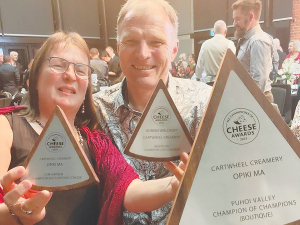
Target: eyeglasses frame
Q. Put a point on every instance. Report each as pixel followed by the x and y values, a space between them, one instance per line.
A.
pixel 80 77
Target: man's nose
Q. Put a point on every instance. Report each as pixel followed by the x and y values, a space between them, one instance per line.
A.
pixel 144 51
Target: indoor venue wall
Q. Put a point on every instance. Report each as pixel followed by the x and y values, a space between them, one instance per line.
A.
pixel 26 24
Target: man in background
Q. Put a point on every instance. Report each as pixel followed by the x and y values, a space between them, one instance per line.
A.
pixel 9 76
pixel 255 48
pixel 212 52
pixel 114 69
pixel 280 52
pixel 100 67
pixel 14 61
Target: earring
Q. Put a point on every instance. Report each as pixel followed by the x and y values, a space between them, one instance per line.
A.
pixel 82 108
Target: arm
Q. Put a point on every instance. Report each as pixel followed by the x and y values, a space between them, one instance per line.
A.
pixel 16 192
pixel 232 46
pixel 260 62
pixel 200 65
pixel 17 76
pixel 115 67
pixel 142 196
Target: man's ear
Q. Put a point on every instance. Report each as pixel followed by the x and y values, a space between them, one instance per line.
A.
pixel 175 50
pixel 251 16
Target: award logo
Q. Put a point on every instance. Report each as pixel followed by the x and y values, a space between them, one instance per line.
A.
pixel 161 116
pixel 241 126
pixel 55 142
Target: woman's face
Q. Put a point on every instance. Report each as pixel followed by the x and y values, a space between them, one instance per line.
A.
pixel 66 90
pixel 292 48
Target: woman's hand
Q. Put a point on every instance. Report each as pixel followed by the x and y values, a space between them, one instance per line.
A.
pixel 178 171
pixel 27 205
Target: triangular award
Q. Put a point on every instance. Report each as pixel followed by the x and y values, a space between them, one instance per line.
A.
pixel 161 134
pixel 244 165
pixel 57 161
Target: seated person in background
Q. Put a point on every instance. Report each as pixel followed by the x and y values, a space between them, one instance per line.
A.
pixel 191 66
pixel 60 76
pixel 182 66
pixel 9 76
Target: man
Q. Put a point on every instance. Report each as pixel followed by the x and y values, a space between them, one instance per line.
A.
pixel 114 70
pixel 280 52
pixel 1 58
pixel 255 48
pixel 147 44
pixel 9 76
pixel 14 58
pixel 100 67
pixel 212 52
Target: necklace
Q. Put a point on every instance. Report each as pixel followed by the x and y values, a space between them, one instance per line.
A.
pixel 77 129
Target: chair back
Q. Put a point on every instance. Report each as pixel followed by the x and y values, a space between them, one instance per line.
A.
pixel 279 98
pixel 4 102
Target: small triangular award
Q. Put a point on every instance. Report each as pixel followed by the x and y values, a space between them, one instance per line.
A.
pixel 57 161
pixel 161 134
pixel 244 165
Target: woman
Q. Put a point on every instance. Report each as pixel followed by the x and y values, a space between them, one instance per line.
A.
pixel 60 76
pixel 291 58
pixel 191 66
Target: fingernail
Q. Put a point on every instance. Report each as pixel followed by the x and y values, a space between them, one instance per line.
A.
pixel 33 191
pixel 20 171
pixel 25 186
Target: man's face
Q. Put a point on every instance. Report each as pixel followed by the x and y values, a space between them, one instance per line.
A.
pixel 1 58
pixel 109 51
pixel 14 57
pixel 241 23
pixel 147 46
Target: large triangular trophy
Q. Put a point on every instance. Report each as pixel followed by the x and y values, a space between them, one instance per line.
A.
pixel 244 165
pixel 161 134
pixel 57 161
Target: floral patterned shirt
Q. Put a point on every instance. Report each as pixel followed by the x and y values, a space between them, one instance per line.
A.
pixel 119 120
pixel 295 127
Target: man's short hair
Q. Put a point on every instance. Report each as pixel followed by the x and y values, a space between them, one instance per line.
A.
pixel 94 51
pixel 220 27
pixel 110 49
pixel 104 54
pixel 13 52
pixel 247 6
pixel 6 59
pixel 133 4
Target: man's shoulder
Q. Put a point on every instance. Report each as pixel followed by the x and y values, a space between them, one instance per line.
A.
pixel 109 94
pixel 188 85
pixel 7 66
pixel 260 37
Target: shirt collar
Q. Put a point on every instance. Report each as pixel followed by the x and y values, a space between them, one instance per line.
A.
pixel 122 96
pixel 252 31
pixel 219 35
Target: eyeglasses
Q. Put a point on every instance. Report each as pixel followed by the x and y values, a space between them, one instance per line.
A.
pixel 60 65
